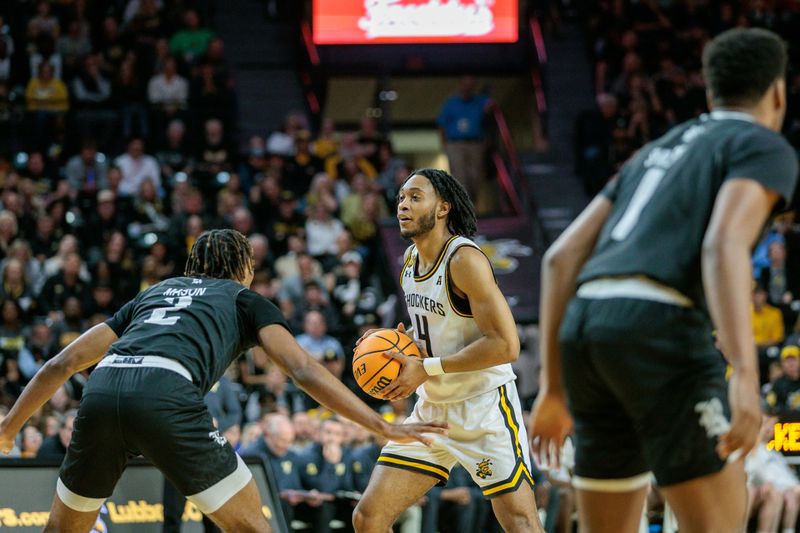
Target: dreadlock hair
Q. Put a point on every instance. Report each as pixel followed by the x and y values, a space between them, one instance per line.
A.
pixel 220 254
pixel 461 219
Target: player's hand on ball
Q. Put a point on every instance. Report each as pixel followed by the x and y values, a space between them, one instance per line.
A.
pixel 414 432
pixel 745 417
pixel 549 425
pixel 412 375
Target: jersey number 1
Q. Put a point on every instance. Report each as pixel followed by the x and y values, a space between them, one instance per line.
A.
pixel 644 192
pixel 159 316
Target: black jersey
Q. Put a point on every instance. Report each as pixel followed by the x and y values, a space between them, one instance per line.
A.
pixel 202 323
pixel 664 196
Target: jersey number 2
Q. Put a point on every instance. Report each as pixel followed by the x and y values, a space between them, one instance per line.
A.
pixel 159 316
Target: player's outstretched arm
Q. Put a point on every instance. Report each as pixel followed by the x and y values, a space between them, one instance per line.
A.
pixel 740 211
pixel 324 387
pixel 550 421
pixel 80 354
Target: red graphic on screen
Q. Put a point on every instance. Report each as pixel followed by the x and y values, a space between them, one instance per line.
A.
pixel 414 21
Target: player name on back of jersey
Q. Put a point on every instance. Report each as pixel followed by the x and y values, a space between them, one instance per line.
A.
pixel 423 302
pixel 198 291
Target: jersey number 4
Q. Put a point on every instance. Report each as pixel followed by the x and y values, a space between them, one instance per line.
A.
pixel 159 316
pixel 422 333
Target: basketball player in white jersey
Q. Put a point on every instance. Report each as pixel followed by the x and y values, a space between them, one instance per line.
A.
pixel 468 338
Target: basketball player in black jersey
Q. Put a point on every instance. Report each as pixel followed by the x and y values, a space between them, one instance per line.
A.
pixel 156 358
pixel 661 255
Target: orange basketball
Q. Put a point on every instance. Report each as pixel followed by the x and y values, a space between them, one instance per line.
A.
pixel 373 370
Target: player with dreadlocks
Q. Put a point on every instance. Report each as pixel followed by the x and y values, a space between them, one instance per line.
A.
pixel 156 358
pixel 468 338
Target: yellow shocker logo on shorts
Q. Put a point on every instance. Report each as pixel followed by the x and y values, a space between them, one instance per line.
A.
pixel 484 469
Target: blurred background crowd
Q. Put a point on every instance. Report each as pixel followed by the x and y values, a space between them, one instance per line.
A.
pixel 120 143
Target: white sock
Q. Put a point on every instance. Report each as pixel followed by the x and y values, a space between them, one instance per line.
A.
pixel 788 530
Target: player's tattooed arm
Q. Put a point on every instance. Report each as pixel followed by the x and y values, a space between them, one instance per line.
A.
pixel 84 352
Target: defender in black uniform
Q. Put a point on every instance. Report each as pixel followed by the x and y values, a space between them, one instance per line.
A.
pixel 156 358
pixel 666 243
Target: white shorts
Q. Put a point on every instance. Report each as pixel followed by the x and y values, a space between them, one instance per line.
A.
pixel 486 436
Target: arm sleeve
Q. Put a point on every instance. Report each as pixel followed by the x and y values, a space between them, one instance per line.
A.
pixel 256 312
pixel 122 318
pixel 765 157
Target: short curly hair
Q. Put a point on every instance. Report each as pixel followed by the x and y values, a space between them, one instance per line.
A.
pixel 739 65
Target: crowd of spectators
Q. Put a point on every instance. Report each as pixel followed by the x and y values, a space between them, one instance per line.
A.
pixel 646 57
pixel 118 147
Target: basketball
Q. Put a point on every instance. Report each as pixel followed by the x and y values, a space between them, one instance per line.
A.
pixel 373 370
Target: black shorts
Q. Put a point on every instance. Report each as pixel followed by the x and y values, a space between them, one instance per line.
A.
pixel 647 390
pixel 156 413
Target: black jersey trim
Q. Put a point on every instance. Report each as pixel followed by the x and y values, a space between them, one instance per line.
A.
pixel 458 303
pixel 510 421
pixel 415 465
pixel 436 265
pixel 405 263
pixel 519 475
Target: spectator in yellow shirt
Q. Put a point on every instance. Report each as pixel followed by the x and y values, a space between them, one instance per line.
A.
pixel 767 321
pixel 349 161
pixel 46 93
pixel 47 100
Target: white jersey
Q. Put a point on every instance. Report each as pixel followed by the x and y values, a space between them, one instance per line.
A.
pixel 443 322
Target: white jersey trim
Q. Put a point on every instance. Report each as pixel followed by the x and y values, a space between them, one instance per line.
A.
pixel 76 502
pixel 141 361
pixel 639 288
pixel 218 494
pixel 628 484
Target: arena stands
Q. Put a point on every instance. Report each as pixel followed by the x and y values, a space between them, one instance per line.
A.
pixel 120 143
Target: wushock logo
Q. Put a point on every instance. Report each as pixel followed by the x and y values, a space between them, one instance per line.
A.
pixel 484 468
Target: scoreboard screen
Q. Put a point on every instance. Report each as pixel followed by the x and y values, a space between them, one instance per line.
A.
pixel 414 21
